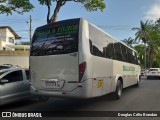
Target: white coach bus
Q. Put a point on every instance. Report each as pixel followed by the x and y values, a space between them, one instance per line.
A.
pixel 75 59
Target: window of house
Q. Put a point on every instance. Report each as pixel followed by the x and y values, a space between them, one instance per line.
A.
pixel 11 40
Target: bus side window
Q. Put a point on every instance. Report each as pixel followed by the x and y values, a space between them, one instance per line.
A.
pixel 129 52
pixel 118 52
pixel 91 46
pixel 124 54
pixel 136 58
pixel 96 49
pixel 110 51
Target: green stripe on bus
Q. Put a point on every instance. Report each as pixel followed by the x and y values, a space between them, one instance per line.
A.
pixel 128 68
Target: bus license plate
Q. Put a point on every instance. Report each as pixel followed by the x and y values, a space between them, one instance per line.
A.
pixel 52 83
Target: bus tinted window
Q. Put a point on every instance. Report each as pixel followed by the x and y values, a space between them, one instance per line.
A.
pixel 129 53
pixel 109 50
pixel 136 56
pixel 57 38
pixel 118 53
pixel 103 46
pixel 124 54
pixel 100 43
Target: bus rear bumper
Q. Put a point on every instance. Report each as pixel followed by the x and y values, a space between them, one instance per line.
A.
pixel 78 92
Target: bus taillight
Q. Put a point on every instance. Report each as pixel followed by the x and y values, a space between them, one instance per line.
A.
pixel 82 68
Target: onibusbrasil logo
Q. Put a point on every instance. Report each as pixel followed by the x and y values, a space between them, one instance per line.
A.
pixel 21 114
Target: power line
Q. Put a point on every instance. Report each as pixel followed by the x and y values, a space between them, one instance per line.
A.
pixel 117 27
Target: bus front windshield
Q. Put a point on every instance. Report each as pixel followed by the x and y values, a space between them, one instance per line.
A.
pixel 56 38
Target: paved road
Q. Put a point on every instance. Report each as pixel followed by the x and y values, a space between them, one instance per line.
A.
pixel 144 98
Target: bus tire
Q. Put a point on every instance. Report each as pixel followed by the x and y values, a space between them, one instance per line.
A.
pixel 118 92
pixel 138 82
pixel 43 98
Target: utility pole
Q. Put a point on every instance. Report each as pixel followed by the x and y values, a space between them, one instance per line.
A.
pixel 30 28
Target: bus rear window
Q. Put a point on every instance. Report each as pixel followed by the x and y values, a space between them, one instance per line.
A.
pixel 56 38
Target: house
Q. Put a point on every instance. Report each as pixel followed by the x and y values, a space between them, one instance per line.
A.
pixel 7 37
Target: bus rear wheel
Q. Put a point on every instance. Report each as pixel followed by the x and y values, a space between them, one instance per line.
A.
pixel 118 92
pixel 138 82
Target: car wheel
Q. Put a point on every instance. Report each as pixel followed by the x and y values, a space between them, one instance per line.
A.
pixel 118 92
pixel 43 98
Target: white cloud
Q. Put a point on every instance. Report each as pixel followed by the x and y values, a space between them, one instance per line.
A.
pixel 154 12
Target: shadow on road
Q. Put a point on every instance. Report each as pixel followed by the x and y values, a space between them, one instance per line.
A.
pixel 59 104
pixel 18 104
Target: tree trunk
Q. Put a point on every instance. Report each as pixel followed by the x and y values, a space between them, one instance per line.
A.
pixel 151 56
pixel 148 55
pixel 49 9
pixel 54 16
pixel 144 55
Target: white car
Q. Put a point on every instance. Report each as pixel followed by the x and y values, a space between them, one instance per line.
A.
pixel 153 73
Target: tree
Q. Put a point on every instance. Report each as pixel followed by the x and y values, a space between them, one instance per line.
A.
pixel 129 41
pixel 22 43
pixel 19 6
pixel 156 62
pixel 142 34
pixel 156 36
pixel 140 49
pixel 154 42
pixel 89 5
pixel 25 43
pixel 156 29
pixel 149 34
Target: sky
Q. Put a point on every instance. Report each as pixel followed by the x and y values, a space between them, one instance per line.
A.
pixel 118 19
